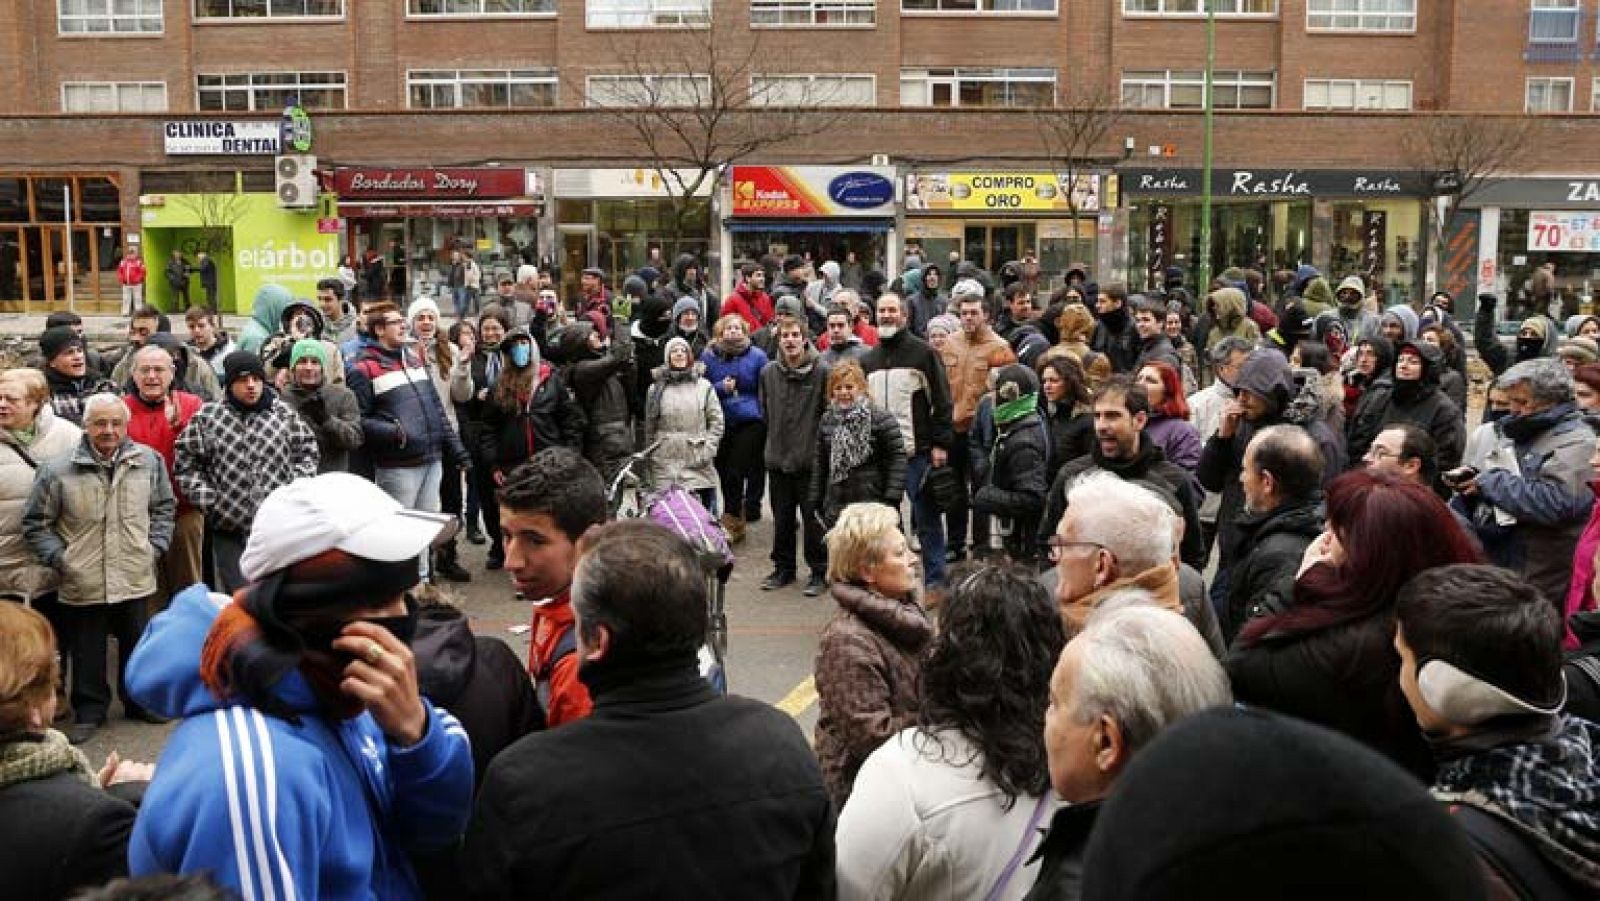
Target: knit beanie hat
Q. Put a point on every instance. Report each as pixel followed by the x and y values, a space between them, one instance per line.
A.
pixel 419 305
pixel 684 305
pixel 945 323
pixel 674 344
pixel 1286 810
pixel 790 305
pixel 57 340
pixel 241 363
pixel 309 347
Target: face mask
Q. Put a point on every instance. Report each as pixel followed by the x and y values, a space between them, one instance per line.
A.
pixel 521 354
pixel 1528 348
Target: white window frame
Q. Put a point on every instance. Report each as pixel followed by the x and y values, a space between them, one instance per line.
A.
pixel 985 8
pixel 956 77
pixel 461 79
pixel 1366 10
pixel 758 93
pixel 481 10
pixel 1572 8
pixel 116 88
pixel 1167 80
pixel 1199 12
pixel 268 17
pixel 251 88
pixel 113 18
pixel 703 92
pixel 1594 95
pixel 647 15
pixel 1547 84
pixel 1359 88
pixel 813 13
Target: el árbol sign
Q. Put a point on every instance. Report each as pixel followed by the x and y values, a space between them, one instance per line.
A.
pixel 800 192
pixel 359 183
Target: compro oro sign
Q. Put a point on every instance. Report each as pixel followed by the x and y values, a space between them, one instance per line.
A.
pixel 1000 192
pixel 212 138
pixel 1564 232
pixel 791 192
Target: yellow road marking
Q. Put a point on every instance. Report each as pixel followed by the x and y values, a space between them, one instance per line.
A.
pixel 800 698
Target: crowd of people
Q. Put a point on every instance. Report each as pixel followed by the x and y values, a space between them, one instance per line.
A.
pixel 1137 595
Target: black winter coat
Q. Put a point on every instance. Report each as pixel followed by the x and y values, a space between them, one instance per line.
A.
pixel 1268 549
pixel 550 419
pixel 478 679
pixel 1423 404
pixel 1344 677
pixel 880 478
pixel 1016 484
pixel 62 834
pixel 666 791
pixel 1071 429
pixel 1150 468
pixel 601 384
pixel 1121 347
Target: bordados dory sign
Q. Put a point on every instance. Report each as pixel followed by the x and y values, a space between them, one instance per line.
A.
pixel 803 192
pixel 216 138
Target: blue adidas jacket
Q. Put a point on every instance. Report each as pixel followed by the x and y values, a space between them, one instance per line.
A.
pixel 324 809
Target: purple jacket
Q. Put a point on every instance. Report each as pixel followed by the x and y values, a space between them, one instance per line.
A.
pixel 1177 439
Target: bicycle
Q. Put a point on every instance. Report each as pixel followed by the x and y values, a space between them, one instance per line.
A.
pixel 631 496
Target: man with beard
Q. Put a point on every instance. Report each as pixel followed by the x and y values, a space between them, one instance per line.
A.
pixel 1115 334
pixel 793 396
pixel 1121 409
pixel 1358 323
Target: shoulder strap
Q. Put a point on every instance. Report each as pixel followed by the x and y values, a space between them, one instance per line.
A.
pixel 566 644
pixel 1522 869
pixel 27 458
pixel 1028 836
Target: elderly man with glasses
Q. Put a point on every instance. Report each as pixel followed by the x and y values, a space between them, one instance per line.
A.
pixel 405 431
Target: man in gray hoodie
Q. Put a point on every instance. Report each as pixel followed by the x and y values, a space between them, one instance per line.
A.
pixel 793 395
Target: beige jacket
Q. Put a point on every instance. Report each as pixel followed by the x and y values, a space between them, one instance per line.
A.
pixel 101 526
pixel 967 364
pixel 21 575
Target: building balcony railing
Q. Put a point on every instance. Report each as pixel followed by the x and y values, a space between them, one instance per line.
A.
pixel 1553 36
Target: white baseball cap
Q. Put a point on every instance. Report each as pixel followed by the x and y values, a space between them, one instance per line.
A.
pixel 341 511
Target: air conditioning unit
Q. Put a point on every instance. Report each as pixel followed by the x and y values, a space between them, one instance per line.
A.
pixel 295 181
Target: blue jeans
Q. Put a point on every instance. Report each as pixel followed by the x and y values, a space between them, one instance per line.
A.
pixel 416 488
pixel 928 520
pixel 466 301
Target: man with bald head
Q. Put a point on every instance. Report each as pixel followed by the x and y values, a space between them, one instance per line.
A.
pixel 1283 514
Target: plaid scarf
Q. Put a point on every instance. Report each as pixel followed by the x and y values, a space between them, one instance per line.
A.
pixel 24 758
pixel 1548 788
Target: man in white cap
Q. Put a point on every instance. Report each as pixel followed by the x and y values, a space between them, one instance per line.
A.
pixel 307 763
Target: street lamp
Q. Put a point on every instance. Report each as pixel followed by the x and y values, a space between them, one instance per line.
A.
pixel 1204 285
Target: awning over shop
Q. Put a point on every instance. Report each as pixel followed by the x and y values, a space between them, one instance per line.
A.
pixel 810 225
pixel 442 210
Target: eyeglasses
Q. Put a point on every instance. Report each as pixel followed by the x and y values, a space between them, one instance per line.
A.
pixel 1058 545
pixel 1378 453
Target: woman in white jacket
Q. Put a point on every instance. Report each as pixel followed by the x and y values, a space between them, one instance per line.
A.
pixel 683 413
pixel 952 808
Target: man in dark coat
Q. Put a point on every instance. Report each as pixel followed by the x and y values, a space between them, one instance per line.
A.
pixel 1412 395
pixel 668 789
pixel 1114 334
pixel 1283 514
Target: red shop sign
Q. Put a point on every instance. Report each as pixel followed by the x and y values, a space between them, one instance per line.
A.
pixel 352 183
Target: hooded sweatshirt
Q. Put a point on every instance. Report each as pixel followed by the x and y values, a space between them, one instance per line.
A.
pixel 1405 316
pixel 1358 323
pixel 1421 403
pixel 1546 343
pixel 1226 307
pixel 1318 297
pixel 266 316
pixel 322 808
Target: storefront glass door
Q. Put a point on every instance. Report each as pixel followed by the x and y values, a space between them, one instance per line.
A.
pixel 577 254
pixel 993 245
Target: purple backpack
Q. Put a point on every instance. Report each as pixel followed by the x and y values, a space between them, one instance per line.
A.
pixel 679 510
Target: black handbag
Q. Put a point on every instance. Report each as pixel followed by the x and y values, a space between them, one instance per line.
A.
pixel 946 488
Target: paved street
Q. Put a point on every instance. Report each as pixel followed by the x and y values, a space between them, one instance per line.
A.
pixel 773 640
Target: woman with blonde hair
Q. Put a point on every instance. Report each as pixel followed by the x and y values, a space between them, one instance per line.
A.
pixel 861 454
pixel 870 654
pixel 63 829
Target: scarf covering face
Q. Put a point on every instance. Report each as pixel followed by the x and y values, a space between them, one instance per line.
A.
pixel 34 757
pixel 852 438
pixel 730 346
pixel 1013 410
pixel 1549 790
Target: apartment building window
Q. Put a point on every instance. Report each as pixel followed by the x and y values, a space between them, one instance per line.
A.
pixel 113 97
pixel 270 91
pixel 813 90
pixel 813 13
pixel 648 13
pixel 1594 96
pixel 977 87
pixel 978 6
pixel 268 9
pixel 1361 15
pixel 648 90
pixel 1197 7
pixel 1186 89
pixel 1356 94
pixel 444 8
pixel 1553 22
pixel 108 16
pixel 481 88
pixel 1549 95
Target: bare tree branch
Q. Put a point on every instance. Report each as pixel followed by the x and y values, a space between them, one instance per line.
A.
pixel 216 207
pixel 698 101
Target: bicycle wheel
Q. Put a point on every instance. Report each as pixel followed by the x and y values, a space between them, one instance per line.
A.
pixel 717 623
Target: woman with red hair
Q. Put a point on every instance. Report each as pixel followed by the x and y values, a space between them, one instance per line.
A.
pixel 1169 427
pixel 1330 658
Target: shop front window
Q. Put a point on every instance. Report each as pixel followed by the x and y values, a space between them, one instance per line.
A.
pixel 870 248
pixel 640 232
pixel 1264 236
pixel 1577 272
pixel 45 263
pixel 1379 242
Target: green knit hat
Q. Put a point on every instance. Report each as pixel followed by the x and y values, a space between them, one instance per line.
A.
pixel 308 347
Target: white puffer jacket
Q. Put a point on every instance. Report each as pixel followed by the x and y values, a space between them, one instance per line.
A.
pixel 22 576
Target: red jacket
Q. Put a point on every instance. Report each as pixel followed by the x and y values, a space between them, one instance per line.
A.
pixel 568 698
pixel 155 429
pixel 754 308
pixel 130 271
pixel 863 330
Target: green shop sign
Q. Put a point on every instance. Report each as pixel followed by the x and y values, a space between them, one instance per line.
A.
pixel 295 130
pixel 254 242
